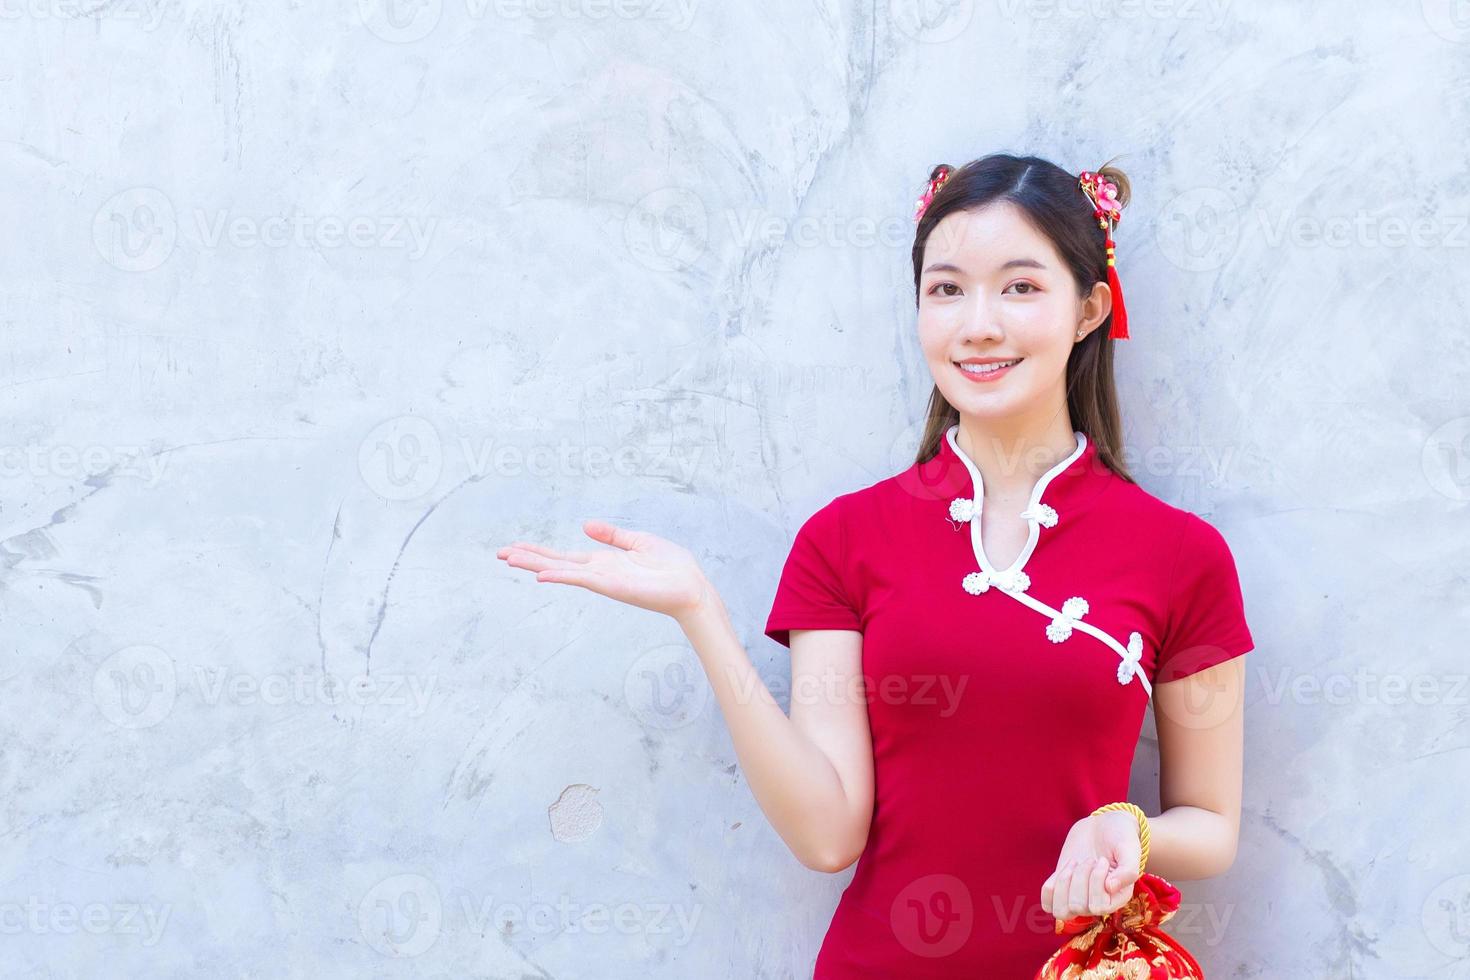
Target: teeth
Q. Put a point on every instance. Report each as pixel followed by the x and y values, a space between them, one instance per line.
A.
pixel 986 368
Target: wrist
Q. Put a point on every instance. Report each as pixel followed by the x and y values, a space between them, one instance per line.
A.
pixel 706 610
pixel 1128 814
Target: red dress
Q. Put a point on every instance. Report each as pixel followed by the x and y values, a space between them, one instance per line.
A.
pixel 1004 704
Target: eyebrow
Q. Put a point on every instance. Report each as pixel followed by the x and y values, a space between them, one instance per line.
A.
pixel 1012 264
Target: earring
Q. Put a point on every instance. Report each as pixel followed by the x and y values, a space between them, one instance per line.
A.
pixel 1079 334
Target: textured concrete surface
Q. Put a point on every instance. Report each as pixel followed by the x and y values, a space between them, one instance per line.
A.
pixel 307 310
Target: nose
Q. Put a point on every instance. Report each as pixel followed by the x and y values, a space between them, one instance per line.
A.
pixel 982 321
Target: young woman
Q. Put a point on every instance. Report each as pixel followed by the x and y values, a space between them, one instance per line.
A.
pixel 974 640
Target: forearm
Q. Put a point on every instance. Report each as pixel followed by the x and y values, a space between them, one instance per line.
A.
pixel 793 781
pixel 1189 842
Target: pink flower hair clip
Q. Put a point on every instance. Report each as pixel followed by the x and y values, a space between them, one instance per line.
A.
pixel 941 174
pixel 1104 195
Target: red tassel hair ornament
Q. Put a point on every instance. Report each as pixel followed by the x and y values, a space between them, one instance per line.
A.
pixel 1103 195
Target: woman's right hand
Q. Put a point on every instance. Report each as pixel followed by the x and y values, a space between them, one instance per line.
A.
pixel 641 569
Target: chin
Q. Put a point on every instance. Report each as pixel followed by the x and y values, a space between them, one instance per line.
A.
pixel 984 405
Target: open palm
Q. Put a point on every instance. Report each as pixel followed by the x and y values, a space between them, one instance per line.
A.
pixel 641 569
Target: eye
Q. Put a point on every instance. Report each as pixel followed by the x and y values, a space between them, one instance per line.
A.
pixel 942 285
pixel 1030 288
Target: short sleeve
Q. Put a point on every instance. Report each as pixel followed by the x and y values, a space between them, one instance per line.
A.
pixel 1206 612
pixel 813 592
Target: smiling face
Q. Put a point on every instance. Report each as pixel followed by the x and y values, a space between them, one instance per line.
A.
pixel 994 290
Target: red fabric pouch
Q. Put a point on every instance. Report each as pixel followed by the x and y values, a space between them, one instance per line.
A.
pixel 1127 943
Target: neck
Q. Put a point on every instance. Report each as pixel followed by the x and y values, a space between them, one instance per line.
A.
pixel 1012 454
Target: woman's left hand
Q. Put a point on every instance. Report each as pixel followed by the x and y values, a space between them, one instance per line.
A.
pixel 1097 867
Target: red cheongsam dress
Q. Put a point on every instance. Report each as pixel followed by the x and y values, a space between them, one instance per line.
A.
pixel 1004 704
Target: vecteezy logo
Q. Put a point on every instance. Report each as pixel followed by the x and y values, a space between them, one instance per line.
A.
pixel 1446 459
pixel 401 915
pixel 923 482
pixel 1450 19
pixel 667 230
pixel 933 915
pixel 1446 917
pixel 1199 229
pixel 401 459
pixel 135 687
pixel 666 687
pixel 400 21
pixel 932 21
pixel 135 230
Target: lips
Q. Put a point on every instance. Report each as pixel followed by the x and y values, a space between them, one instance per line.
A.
pixel 990 373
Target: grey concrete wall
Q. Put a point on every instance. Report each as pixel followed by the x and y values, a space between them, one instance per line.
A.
pixel 308 309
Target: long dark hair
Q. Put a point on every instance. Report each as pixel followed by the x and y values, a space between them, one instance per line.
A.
pixel 1051 198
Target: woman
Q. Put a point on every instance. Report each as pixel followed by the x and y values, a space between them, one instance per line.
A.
pixel 974 640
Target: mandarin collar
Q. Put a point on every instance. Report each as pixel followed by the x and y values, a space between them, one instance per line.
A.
pixel 950 473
